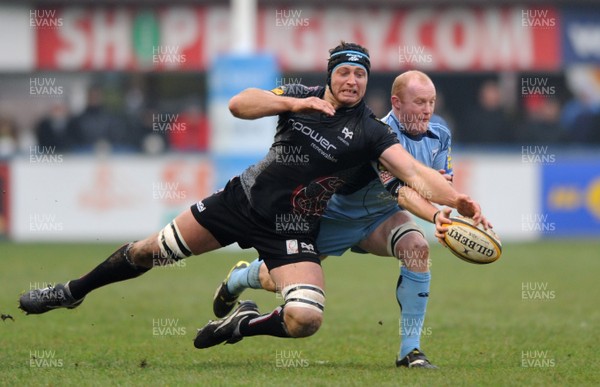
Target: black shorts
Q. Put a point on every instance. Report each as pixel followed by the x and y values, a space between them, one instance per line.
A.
pixel 229 218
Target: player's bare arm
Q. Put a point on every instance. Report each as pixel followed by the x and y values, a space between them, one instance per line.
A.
pixel 410 200
pixel 257 103
pixel 427 182
pixel 417 205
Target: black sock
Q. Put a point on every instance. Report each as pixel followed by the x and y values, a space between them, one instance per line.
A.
pixel 268 324
pixel 116 268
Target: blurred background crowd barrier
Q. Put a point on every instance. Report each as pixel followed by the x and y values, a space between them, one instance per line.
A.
pixel 114 118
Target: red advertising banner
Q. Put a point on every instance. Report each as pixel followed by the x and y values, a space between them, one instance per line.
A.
pixel 122 39
pixel 188 38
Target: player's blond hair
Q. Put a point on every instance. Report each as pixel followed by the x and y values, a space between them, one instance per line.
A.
pixel 402 81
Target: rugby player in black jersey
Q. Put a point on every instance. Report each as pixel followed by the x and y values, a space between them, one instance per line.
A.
pixel 336 133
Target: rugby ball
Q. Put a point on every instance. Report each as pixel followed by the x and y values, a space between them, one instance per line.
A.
pixel 472 244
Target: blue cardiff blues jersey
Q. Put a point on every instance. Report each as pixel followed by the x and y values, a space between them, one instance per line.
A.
pixel 371 201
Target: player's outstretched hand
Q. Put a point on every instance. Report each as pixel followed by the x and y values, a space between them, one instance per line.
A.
pixel 469 208
pixel 485 223
pixel 313 104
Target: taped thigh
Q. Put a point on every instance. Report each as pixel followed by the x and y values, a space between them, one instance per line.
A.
pixel 304 296
pixel 171 243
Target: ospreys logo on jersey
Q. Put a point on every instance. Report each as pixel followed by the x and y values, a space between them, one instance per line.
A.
pixel 348 134
pixel 291 246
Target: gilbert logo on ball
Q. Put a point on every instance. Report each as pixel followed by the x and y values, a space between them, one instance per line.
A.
pixel 472 244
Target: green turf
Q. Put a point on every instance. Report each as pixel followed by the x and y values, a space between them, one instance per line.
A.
pixel 480 330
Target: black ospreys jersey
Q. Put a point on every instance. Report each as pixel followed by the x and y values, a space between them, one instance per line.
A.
pixel 312 156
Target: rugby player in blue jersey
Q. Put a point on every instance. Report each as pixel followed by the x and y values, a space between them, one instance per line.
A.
pixel 371 220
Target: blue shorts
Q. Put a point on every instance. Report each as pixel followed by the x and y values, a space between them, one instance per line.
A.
pixel 338 235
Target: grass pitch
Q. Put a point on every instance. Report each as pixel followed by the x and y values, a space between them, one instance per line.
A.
pixel 532 318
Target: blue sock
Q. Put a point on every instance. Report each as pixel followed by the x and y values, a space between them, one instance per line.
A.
pixel 412 294
pixel 245 278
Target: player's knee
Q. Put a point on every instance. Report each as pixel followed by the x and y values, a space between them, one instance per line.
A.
pixel 412 246
pixel 304 305
pixel 414 252
pixel 301 323
pixel 407 243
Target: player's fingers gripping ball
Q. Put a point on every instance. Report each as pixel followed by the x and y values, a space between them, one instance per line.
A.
pixel 470 243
